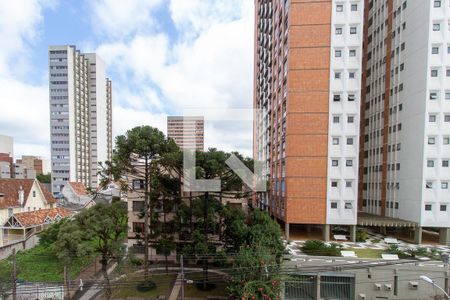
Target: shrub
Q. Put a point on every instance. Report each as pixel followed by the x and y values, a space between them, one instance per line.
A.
pixel 376 241
pixel 315 247
pixel 361 236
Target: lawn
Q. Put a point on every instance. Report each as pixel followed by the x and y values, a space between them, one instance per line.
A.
pixel 128 289
pixel 40 265
pixel 191 291
pixel 367 253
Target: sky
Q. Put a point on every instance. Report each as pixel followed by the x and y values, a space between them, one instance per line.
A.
pixel 163 56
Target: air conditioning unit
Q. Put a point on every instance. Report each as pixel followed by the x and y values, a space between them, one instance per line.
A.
pixel 413 285
pixel 377 286
pixel 362 297
pixel 388 287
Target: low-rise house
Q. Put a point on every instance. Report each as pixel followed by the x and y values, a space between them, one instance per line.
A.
pixel 22 195
pixel 76 193
pixel 21 225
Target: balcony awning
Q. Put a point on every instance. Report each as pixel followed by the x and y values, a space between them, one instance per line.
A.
pixel 365 219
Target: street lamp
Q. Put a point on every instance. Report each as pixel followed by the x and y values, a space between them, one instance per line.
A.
pixel 430 281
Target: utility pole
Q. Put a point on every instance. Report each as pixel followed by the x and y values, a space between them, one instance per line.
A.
pixel 14 275
pixel 182 277
pixel 66 283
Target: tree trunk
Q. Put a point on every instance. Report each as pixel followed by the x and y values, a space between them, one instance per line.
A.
pixel 205 232
pixel 190 213
pixel 108 291
pixel 146 220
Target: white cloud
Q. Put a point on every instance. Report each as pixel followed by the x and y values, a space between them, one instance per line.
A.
pixel 210 64
pixel 24 112
pixel 118 18
pixel 127 118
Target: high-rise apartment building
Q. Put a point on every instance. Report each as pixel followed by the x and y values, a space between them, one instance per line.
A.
pixel 405 148
pixel 80 116
pixel 307 88
pixel 7 145
pixel 187 132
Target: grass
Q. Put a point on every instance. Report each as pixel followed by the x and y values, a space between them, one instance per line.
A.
pixel 191 291
pixel 163 284
pixel 39 264
pixel 368 253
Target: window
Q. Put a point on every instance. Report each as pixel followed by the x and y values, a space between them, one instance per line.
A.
pixel 431 141
pixel 348 184
pixel 447 118
pixel 351 97
pixel 338 53
pixel 338 31
pixel 434 73
pixel 336 98
pixel 10 212
pixel 334 205
pixel 443 207
pixel 349 141
pixel 430 163
pixel 335 141
pixel 437 3
pixel 446 140
pixel 350 119
pixel 352 53
pixel 434 50
pixel 352 30
pixel 334 162
pixel 348 205
pixel 335 119
pixel 349 163
pixel 447 73
pixel 432 118
pixel 354 7
pixel 429 185
pixel 34 193
pixel 447 96
pixel 138 206
pixel 445 163
pixel 138 184
pixel 138 227
pixel 428 207
pixel 339 8
pixel 433 96
pixel 334 184
pixel 351 75
pixel 337 75
pixel 436 27
pixel 444 185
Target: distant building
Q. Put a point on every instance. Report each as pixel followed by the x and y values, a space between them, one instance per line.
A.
pixel 187 132
pixel 32 162
pixel 81 119
pixel 76 193
pixel 7 145
pixel 20 195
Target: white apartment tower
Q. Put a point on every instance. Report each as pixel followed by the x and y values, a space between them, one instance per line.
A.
pixel 405 165
pixel 80 116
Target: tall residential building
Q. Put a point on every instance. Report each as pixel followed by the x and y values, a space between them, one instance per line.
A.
pixel 80 117
pixel 405 148
pixel 32 163
pixel 188 132
pixel 7 145
pixel 307 88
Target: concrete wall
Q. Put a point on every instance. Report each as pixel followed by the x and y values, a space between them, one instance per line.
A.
pixel 6 251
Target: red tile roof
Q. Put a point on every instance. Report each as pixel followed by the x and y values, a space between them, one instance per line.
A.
pixel 37 217
pixel 10 190
pixel 78 188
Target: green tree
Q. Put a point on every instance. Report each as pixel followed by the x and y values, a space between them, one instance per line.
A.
pixel 44 178
pixel 136 154
pixel 106 224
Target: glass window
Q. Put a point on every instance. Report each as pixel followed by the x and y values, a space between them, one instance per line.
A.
pixel 334 205
pixel 339 8
pixel 429 185
pixel 428 207
pixel 334 184
pixel 348 184
pixel 431 141
pixel 338 31
pixel 335 141
pixel 432 118
pixel 334 162
pixel 354 7
pixel 443 207
pixel 349 163
pixel 350 119
pixel 437 3
pixel 435 50
pixel 348 205
pixel 352 53
pixel 352 30
pixel 445 163
pixel 436 27
pixel 349 141
pixel 434 73
pixel 444 185
pixel 430 163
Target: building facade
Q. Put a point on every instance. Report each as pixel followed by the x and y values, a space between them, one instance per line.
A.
pixel 405 145
pixel 187 132
pixel 307 92
pixel 7 145
pixel 80 100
